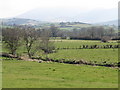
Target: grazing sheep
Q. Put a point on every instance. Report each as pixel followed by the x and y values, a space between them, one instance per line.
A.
pixel 86 46
pixel 95 46
pixel 40 61
pixel 81 61
pixel 111 46
pixel 83 46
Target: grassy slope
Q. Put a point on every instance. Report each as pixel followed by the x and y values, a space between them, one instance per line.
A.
pixel 25 74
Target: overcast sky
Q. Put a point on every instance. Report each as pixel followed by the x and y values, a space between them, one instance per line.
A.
pixel 11 8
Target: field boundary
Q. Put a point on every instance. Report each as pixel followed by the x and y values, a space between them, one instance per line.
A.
pixel 115 65
pixel 92 47
pixel 41 60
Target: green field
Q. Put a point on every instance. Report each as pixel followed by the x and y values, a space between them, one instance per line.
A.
pixel 62 43
pixel 26 74
pixel 99 56
pixel 77 43
pixel 93 55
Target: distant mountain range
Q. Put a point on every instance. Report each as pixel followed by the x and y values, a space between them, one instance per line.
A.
pixel 40 15
pixel 71 15
pixel 19 21
pixel 113 22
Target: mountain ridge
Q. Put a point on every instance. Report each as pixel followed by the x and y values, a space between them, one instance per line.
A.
pixel 19 21
pixel 24 21
pixel 111 22
pixel 70 15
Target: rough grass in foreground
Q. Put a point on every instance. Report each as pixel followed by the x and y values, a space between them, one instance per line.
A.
pixel 26 74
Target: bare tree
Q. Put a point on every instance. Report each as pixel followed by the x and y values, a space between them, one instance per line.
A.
pixel 11 37
pixel 54 30
pixel 105 39
pixel 111 32
pixel 92 32
pixel 100 31
pixel 30 36
pixel 46 45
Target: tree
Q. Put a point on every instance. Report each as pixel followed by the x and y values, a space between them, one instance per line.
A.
pixel 46 45
pixel 54 30
pixel 100 31
pixel 92 32
pixel 105 39
pixel 111 32
pixel 11 37
pixel 30 36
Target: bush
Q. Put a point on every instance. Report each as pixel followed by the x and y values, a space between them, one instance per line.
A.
pixel 105 39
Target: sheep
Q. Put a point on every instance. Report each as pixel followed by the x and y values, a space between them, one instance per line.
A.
pixel 40 61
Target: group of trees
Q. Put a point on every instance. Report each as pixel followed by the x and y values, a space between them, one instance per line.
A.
pixel 94 33
pixel 64 24
pixel 11 37
pixel 33 39
pixel 88 33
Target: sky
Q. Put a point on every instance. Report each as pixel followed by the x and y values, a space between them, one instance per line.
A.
pixel 11 8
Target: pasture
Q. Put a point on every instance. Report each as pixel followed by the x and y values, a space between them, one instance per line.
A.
pixel 63 43
pixel 77 43
pixel 97 56
pixel 27 74
pixel 93 55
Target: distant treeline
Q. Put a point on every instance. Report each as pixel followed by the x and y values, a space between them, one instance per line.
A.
pixel 92 33
pixel 87 33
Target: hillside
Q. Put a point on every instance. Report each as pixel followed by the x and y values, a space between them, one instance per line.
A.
pixel 113 22
pixel 61 25
pixel 19 21
pixel 23 21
